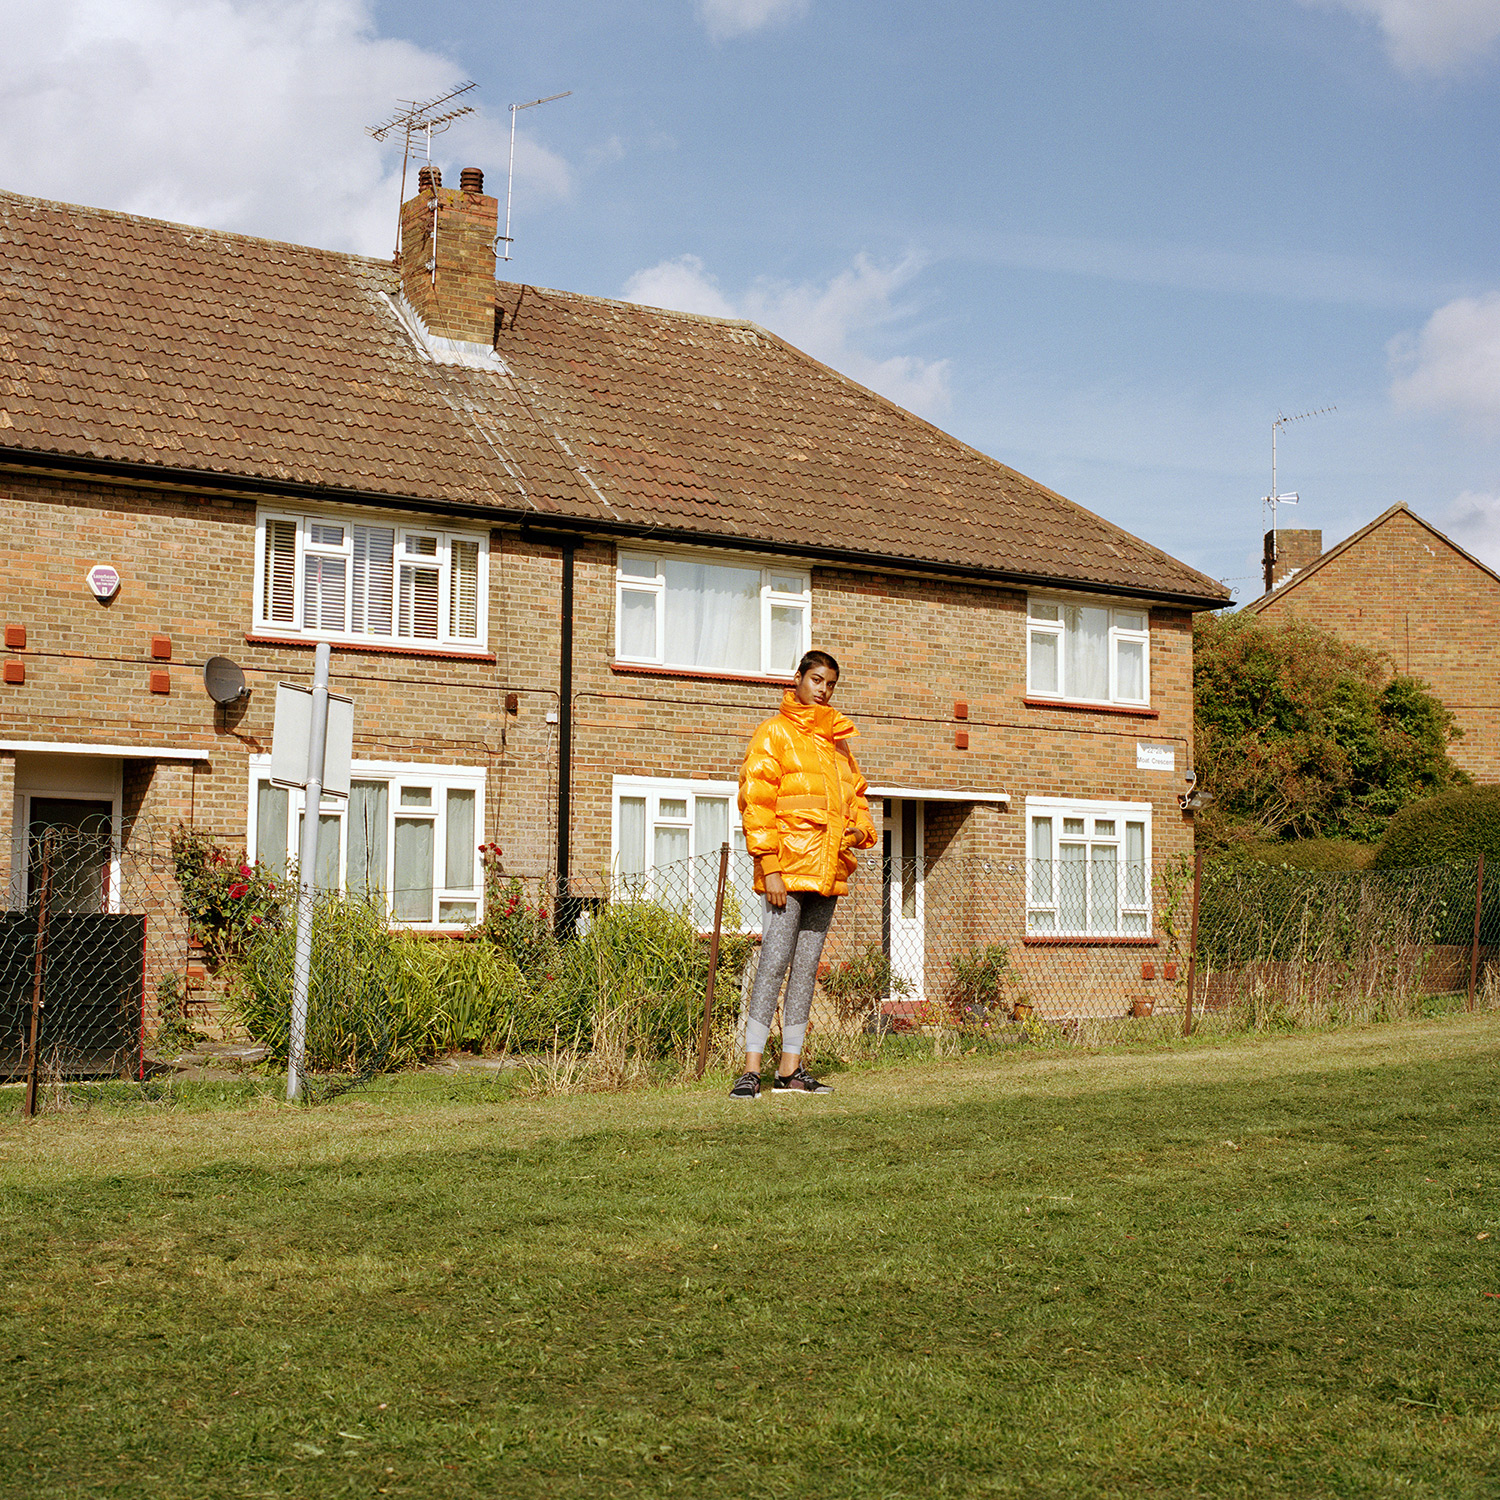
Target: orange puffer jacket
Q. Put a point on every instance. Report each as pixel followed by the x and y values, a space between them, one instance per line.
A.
pixel 802 799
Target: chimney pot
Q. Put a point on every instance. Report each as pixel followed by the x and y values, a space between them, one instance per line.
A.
pixel 430 179
pixel 471 180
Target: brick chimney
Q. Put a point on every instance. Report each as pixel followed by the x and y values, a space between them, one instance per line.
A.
pixel 1287 553
pixel 448 257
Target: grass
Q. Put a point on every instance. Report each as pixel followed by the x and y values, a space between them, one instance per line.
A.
pixel 1258 1267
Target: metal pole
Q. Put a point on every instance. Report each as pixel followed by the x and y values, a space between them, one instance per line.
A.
pixel 307 868
pixel 1474 948
pixel 510 180
pixel 565 911
pixel 713 961
pixel 36 980
pixel 1187 1020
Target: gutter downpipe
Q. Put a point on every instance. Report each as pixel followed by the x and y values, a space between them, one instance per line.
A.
pixel 567 903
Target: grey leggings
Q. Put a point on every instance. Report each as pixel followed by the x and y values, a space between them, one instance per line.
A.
pixel 791 938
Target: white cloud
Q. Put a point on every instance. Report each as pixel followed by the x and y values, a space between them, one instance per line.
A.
pixel 684 284
pixel 1431 36
pixel 730 18
pixel 1453 364
pixel 828 320
pixel 1473 521
pixel 235 114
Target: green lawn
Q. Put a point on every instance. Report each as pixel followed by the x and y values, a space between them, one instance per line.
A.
pixel 1259 1267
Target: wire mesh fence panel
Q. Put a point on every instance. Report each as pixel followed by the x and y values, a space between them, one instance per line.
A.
pixel 1000 946
pixel 101 942
pixel 93 940
pixel 1312 946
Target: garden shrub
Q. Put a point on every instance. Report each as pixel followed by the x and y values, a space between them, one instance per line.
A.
pixel 381 998
pixel 637 977
pixel 986 986
pixel 857 985
pixel 1449 828
pixel 225 900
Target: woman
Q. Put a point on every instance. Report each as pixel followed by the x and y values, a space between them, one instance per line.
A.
pixel 802 800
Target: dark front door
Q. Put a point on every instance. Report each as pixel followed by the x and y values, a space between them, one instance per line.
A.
pixel 79 856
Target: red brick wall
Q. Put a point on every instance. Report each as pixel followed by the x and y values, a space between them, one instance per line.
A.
pixel 1405 591
pixel 909 649
pixel 187 567
pixel 459 303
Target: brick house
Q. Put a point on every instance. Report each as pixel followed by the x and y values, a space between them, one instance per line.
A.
pixel 1404 588
pixel 567 551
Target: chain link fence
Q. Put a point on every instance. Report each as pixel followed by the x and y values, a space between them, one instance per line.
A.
pixel 94 951
pixel 107 955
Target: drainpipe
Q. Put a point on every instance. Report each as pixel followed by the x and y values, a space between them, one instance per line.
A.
pixel 567 903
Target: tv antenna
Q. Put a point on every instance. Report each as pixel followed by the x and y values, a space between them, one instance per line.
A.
pixel 510 179
pixel 1274 499
pixel 420 120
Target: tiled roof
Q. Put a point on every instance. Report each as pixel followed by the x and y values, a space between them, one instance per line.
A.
pixel 134 341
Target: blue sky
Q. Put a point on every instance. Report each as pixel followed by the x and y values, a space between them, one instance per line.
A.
pixel 1106 242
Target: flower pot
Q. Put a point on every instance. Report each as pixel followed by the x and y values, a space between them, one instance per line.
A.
pixel 1021 1011
pixel 1140 1006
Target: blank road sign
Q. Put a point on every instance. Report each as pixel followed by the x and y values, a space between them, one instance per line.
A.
pixel 293 731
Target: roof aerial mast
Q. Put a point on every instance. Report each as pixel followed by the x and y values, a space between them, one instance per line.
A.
pixel 421 119
pixel 510 179
pixel 1274 499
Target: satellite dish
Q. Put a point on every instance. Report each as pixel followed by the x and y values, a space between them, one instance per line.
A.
pixel 224 680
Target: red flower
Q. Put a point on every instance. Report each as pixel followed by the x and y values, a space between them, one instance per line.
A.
pixel 246 871
pixel 256 918
pixel 238 889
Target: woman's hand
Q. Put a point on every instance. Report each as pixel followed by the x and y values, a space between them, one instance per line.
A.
pixel 775 889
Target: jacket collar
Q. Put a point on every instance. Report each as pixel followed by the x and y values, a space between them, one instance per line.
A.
pixel 821 719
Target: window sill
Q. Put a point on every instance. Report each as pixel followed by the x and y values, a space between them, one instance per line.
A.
pixel 694 674
pixel 1040 940
pixel 1074 705
pixel 440 653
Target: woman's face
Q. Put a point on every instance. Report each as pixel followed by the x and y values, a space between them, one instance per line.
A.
pixel 816 684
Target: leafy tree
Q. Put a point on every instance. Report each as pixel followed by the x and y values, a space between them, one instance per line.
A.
pixel 1300 734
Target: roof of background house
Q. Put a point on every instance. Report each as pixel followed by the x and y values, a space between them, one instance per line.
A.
pixel 1275 596
pixel 178 352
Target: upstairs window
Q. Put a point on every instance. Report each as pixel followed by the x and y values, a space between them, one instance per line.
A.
pixel 1087 652
pixel 341 578
pixel 676 610
pixel 1088 869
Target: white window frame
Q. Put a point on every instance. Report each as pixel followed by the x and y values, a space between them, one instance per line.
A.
pixel 442 779
pixel 771 598
pixel 654 790
pixel 1043 879
pixel 1118 633
pixel 403 526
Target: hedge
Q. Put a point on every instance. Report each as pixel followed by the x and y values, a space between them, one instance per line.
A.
pixel 1449 828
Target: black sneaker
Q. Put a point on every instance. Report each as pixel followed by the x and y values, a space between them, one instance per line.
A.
pixel 746 1086
pixel 800 1082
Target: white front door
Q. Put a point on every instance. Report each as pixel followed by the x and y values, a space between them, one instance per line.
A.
pixel 905 900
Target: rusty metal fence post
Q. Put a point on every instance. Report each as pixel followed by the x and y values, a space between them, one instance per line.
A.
pixel 1474 946
pixel 713 960
pixel 1192 975
pixel 36 982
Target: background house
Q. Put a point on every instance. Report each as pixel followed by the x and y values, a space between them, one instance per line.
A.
pixel 1402 587
pixel 567 551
